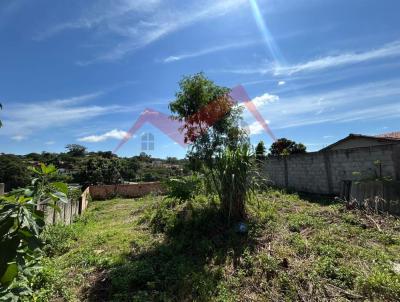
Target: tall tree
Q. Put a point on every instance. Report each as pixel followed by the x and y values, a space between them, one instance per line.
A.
pixel 13 172
pixel 99 170
pixel 285 146
pixel 76 150
pixel 260 150
pixel 210 117
pixel 218 146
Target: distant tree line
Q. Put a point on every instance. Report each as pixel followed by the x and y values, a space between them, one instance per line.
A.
pixel 76 165
pixel 280 147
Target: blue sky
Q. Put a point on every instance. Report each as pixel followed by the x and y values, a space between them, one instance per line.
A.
pixel 83 71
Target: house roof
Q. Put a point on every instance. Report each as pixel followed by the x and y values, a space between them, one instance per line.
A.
pixel 391 135
pixel 386 138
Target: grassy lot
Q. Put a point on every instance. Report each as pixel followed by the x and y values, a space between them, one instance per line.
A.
pixel 154 250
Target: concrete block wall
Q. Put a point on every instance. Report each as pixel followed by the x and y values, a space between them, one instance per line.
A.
pixel 307 173
pixel 378 195
pixel 324 172
pixel 276 171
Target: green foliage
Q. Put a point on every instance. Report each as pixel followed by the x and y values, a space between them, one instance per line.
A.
pixel 330 268
pixel 13 173
pixel 98 170
pixel 72 169
pixel 129 168
pixel 21 224
pixel 158 249
pixel 298 222
pixel 184 188
pixel 58 239
pixel 74 194
pixel 76 150
pixel 383 284
pixel 260 150
pixel 211 121
pixel 51 282
pixel 285 146
pixel 162 216
pixel 219 148
pixel 234 180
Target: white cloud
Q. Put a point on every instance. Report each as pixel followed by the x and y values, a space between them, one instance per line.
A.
pixel 280 83
pixel 113 134
pixel 264 99
pixel 49 143
pixel 207 51
pixel 23 119
pixel 387 50
pixel 137 23
pixel 366 102
pixel 256 128
pixel 18 138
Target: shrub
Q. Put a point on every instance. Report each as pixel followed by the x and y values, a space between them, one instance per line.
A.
pixel 58 239
pixel 20 227
pixel 183 189
pixel 234 180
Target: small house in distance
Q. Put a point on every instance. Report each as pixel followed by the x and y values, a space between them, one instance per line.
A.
pixel 359 141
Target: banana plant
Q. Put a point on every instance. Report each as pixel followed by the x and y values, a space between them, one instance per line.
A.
pixel 21 223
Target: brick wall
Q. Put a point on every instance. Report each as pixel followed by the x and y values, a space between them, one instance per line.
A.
pixel 102 192
pixel 324 172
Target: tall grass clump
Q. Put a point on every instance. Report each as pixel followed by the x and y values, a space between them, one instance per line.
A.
pixel 235 180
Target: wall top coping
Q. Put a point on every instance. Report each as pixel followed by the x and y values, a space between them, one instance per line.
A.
pixel 343 151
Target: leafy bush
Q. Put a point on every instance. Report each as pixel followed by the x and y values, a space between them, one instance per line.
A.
pixel 163 216
pixel 183 189
pixel 20 227
pixel 99 170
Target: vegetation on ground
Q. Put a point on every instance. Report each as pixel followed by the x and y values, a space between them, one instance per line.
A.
pixel 163 249
pixel 21 224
